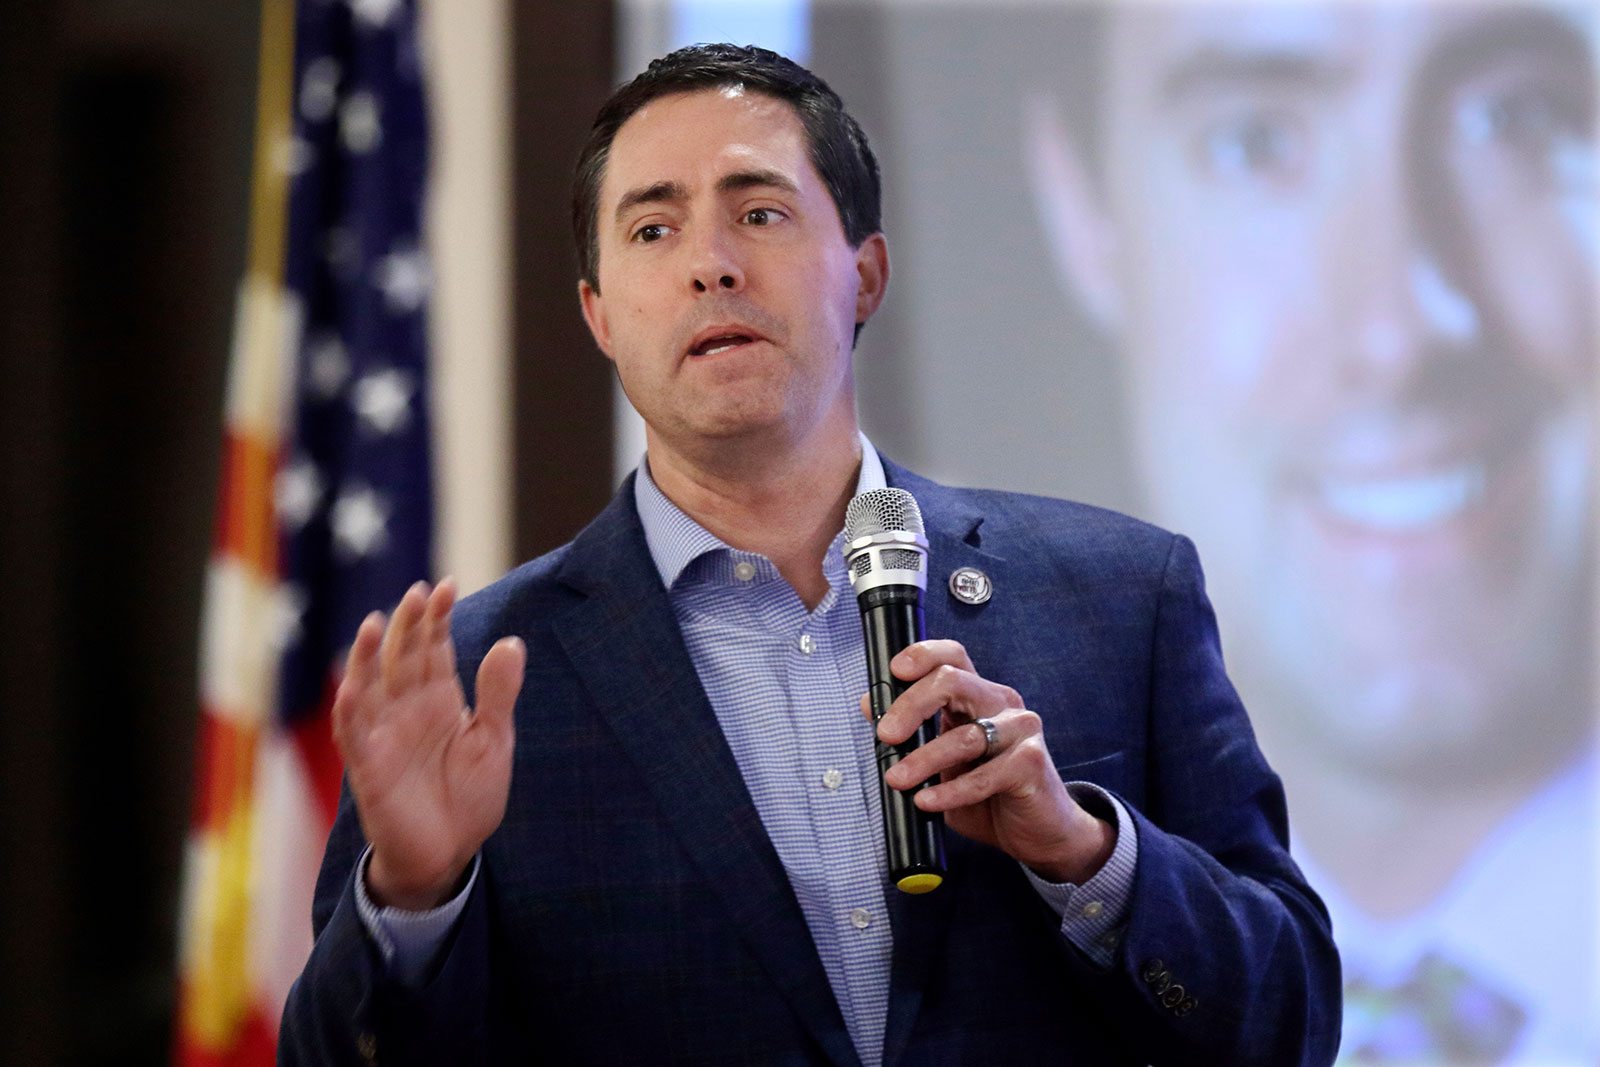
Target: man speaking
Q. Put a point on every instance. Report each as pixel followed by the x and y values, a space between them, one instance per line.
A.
pixel 643 823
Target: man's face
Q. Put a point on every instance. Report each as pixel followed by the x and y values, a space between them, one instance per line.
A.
pixel 728 294
pixel 1353 268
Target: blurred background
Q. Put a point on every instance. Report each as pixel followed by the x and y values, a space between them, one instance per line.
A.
pixel 1312 283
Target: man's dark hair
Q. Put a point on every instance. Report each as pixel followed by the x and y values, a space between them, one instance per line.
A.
pixel 838 148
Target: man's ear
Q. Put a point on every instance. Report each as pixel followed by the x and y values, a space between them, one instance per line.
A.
pixel 872 272
pixel 594 313
pixel 1080 233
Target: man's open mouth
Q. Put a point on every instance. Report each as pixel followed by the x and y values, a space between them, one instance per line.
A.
pixel 721 342
pixel 1406 503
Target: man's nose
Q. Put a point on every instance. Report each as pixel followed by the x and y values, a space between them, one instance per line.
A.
pixel 1410 312
pixel 713 264
pixel 1406 304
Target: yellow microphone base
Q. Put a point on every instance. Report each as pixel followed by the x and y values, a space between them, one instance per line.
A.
pixel 917 884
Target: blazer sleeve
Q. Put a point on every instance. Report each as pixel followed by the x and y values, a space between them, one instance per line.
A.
pixel 344 1009
pixel 1227 956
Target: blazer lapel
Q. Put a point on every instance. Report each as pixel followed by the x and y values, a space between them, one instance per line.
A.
pixel 625 644
pixel 920 922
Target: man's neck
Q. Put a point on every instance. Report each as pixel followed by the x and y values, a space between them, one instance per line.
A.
pixel 1394 840
pixel 784 503
pixel 1393 850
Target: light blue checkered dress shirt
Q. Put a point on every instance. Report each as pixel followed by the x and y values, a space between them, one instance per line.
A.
pixel 785 685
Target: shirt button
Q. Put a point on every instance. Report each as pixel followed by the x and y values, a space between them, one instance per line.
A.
pixel 1092 909
pixel 861 918
pixel 744 570
pixel 832 777
pixel 807 645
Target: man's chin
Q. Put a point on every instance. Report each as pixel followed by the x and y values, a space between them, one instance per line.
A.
pixel 735 419
pixel 1441 725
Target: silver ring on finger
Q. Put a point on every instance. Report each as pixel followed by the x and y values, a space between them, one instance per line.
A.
pixel 991 737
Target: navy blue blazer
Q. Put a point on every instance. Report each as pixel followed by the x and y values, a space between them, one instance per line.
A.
pixel 631 909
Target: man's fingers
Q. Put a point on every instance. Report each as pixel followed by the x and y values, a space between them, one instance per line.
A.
pixel 950 751
pixel 1021 768
pixel 942 675
pixel 916 660
pixel 360 666
pixel 399 661
pixel 946 687
pixel 973 787
pixel 360 671
pixel 962 747
pixel 500 679
pixel 439 652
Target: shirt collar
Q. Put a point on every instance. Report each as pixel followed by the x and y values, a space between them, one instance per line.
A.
pixel 676 540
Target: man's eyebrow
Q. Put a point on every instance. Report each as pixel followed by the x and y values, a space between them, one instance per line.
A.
pixel 671 191
pixel 657 193
pixel 1213 69
pixel 754 179
pixel 1540 36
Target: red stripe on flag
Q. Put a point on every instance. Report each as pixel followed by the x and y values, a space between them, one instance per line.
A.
pixel 225 755
pixel 253 1046
pixel 246 527
pixel 313 736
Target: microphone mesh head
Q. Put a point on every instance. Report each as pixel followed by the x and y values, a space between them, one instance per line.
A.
pixel 882 510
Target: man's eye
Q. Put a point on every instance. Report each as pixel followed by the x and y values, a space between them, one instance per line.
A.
pixel 653 232
pixel 760 216
pixel 1526 117
pixel 1542 128
pixel 1534 121
pixel 1256 146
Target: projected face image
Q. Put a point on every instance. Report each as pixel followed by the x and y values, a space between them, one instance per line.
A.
pixel 1349 253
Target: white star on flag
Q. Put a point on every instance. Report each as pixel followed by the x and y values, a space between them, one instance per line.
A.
pixel 359 127
pixel 319 89
pixel 328 367
pixel 294 156
pixel 383 399
pixel 360 523
pixel 288 609
pixel 405 278
pixel 375 13
pixel 296 492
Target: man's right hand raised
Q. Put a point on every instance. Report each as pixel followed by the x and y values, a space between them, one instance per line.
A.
pixel 430 776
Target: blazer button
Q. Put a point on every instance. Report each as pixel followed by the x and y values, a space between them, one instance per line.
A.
pixel 1185 1006
pixel 1172 996
pixel 1152 970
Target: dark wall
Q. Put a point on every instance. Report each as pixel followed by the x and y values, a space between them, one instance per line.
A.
pixel 126 130
pixel 124 236
pixel 31 878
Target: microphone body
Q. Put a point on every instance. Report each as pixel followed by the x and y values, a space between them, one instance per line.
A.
pixel 888 569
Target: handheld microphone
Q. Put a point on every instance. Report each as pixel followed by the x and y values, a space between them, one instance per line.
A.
pixel 886 551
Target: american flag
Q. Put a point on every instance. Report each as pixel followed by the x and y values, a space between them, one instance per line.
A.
pixel 325 503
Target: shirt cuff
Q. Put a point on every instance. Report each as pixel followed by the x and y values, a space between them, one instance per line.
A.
pixel 409 941
pixel 1093 914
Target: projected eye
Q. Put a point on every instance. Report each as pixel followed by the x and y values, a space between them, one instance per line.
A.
pixel 1259 146
pixel 1541 128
